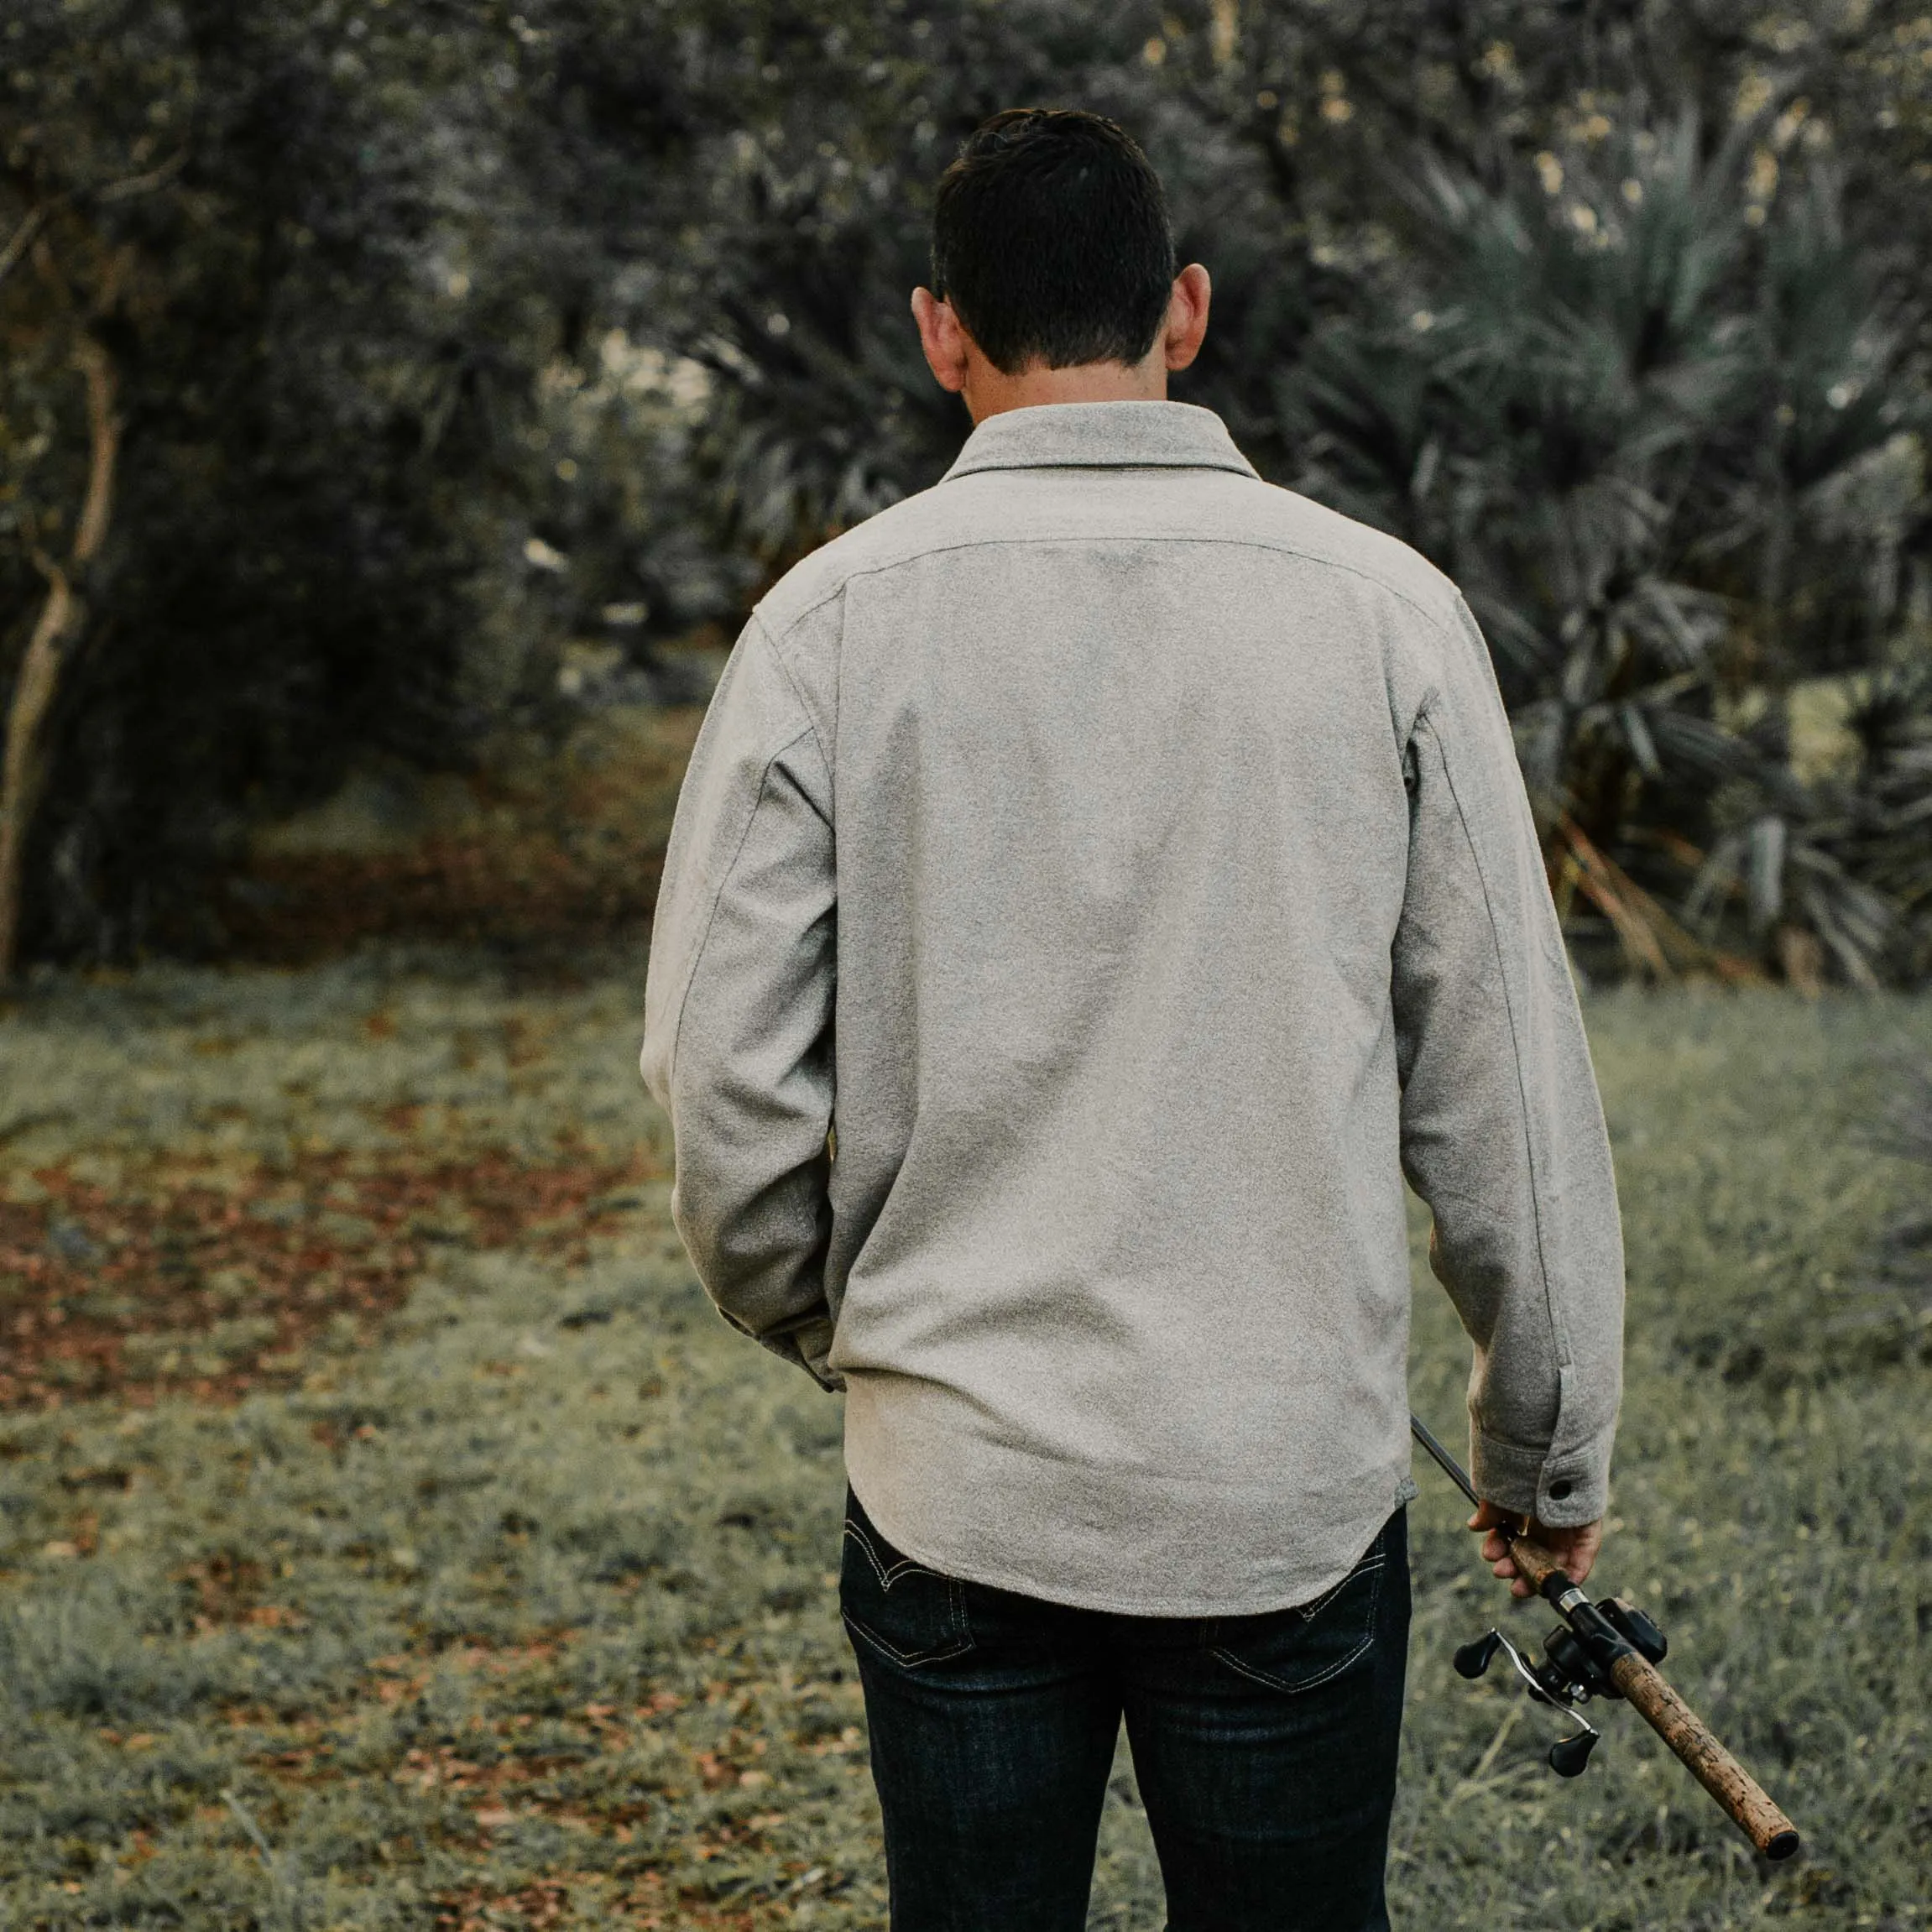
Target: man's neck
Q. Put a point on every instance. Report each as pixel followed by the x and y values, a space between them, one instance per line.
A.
pixel 991 392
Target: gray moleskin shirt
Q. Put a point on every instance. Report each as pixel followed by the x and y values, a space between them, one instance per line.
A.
pixel 1098 880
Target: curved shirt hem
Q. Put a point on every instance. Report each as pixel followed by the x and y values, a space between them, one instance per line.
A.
pixel 1252 1550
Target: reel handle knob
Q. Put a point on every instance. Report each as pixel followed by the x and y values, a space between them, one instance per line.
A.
pixel 1472 1658
pixel 1569 1756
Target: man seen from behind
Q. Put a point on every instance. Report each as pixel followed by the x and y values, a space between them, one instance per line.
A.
pixel 1099 879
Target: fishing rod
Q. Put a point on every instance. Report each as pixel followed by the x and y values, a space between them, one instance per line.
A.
pixel 1611 1649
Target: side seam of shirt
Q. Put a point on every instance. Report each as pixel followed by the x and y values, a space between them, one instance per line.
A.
pixel 1559 1341
pixel 1513 1159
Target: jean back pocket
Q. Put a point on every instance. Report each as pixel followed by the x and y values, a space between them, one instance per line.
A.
pixel 1308 1644
pixel 907 1613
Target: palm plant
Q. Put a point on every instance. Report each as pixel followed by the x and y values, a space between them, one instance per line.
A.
pixel 1620 417
pixel 825 412
pixel 1884 836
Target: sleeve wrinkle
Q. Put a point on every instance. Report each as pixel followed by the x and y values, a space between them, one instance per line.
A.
pixel 1476 1201
pixel 784 1188
pixel 1549 1454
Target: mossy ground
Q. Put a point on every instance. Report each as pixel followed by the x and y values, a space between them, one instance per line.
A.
pixel 403 1542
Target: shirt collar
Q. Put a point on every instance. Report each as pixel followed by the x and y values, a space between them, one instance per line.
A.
pixel 1101 436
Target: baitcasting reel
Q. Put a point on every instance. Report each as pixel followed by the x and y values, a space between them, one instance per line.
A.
pixel 1578 1659
pixel 1612 1649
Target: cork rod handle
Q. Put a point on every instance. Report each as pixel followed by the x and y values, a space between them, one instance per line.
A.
pixel 1741 1795
pixel 1750 1807
pixel 1534 1564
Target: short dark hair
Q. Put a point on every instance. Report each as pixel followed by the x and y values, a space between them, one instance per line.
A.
pixel 1050 236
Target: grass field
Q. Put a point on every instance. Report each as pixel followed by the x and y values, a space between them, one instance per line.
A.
pixel 391 1537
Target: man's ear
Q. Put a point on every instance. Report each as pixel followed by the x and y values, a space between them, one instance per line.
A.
pixel 943 339
pixel 1187 321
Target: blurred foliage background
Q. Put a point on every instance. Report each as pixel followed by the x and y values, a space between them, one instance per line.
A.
pixel 401 401
pixel 383 375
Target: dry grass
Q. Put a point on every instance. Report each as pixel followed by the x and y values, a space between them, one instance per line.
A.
pixel 501 1596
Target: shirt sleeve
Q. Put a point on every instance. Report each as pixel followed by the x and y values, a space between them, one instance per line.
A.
pixel 1503 1131
pixel 739 1006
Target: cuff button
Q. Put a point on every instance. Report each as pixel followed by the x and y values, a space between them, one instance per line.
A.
pixel 1560 1489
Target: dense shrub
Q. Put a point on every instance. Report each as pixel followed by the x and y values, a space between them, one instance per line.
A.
pixel 434 337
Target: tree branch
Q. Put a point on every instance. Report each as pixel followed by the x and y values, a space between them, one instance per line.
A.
pixel 23 237
pixel 39 216
pixel 34 691
pixel 23 764
pixel 104 437
pixel 134 185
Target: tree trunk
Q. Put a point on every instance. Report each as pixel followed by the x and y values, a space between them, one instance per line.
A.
pixel 38 683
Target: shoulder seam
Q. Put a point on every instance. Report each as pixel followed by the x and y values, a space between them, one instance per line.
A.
pixel 792 680
pixel 1440 623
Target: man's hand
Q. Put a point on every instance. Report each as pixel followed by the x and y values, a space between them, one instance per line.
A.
pixel 1575 1549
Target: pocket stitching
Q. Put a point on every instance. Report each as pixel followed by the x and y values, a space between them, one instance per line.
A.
pixel 1335 1669
pixel 888 1575
pixel 1309 1611
pixel 960 1637
pixel 911 1660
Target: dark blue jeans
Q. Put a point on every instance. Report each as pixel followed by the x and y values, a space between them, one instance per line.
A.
pixel 1265 1746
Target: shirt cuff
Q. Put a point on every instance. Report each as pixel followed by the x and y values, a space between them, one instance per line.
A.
pixel 814 1341
pixel 806 1344
pixel 1564 1490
